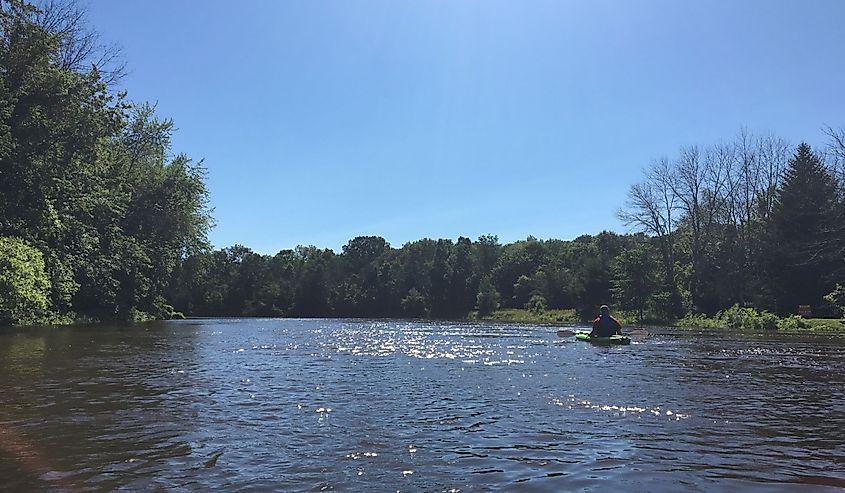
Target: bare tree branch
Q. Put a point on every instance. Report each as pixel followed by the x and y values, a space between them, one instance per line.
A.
pixel 774 153
pixel 81 48
pixel 650 208
pixel 836 148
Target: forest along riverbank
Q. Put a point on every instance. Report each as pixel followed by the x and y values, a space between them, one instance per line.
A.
pixel 300 405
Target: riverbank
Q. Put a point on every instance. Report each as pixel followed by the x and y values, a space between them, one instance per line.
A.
pixel 555 317
pixel 517 315
pixel 738 319
pixel 733 319
pixel 819 325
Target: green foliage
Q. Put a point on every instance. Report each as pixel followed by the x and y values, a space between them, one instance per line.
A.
pixel 824 325
pixel 792 323
pixel 738 317
pixel 413 305
pixel 518 261
pixel 24 285
pixel 836 298
pixel 487 299
pixel 750 319
pixel 701 321
pixel 635 281
pixel 537 304
pixel 735 317
pixel 767 321
pixel 89 180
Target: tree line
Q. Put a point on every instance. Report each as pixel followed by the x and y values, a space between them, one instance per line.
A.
pixel 100 220
pixel 425 278
pixel 754 222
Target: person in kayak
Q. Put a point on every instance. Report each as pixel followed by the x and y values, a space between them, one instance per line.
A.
pixel 605 325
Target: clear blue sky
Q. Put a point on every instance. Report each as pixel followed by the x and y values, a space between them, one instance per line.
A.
pixel 320 121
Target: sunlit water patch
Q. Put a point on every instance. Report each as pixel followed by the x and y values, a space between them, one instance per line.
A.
pixel 467 343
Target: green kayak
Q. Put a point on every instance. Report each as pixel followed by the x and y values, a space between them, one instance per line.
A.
pixel 585 336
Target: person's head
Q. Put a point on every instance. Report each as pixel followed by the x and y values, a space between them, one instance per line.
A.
pixel 604 309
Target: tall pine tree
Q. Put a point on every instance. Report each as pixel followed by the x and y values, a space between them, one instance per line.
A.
pixel 801 229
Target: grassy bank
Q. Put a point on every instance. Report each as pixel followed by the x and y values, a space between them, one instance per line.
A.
pixel 821 325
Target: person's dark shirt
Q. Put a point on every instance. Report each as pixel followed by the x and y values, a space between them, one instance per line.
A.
pixel 606 326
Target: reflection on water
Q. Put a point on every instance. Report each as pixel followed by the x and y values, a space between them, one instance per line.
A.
pixel 343 405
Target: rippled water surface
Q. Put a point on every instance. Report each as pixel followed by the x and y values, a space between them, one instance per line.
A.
pixel 350 405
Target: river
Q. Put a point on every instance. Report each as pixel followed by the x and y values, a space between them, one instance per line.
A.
pixel 356 405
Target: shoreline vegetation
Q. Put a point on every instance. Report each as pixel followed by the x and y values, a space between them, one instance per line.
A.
pixel 734 319
pixel 101 220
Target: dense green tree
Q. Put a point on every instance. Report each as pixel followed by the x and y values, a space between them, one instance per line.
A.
pixel 462 280
pixel 314 282
pixel 522 258
pixel 146 214
pixel 439 274
pixel 487 299
pixel 51 124
pixel 362 289
pixel 414 304
pixel 802 226
pixel 413 262
pixel 191 288
pixel 635 279
pixel 525 288
pixel 486 252
pixel 592 270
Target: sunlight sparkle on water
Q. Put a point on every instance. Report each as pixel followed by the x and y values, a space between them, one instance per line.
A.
pixel 573 402
pixel 424 343
pixel 360 455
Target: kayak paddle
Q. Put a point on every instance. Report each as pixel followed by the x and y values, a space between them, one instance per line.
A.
pixel 632 333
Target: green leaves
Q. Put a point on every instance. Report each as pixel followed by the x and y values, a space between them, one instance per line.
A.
pixel 487 299
pixel 636 279
pixel 24 285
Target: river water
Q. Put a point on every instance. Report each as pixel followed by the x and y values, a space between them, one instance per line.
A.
pixel 353 405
